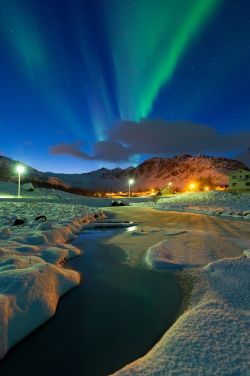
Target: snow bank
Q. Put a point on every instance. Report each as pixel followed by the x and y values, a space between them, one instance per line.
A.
pixel 213 202
pixel 32 278
pixel 29 292
pixel 212 336
pixel 160 256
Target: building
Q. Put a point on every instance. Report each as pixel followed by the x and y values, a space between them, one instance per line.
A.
pixel 167 190
pixel 239 181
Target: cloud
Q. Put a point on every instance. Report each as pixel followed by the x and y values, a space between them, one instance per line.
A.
pixel 109 151
pixel 69 149
pixel 157 138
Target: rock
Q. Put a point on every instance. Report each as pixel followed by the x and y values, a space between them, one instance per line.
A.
pixel 29 187
pixel 18 222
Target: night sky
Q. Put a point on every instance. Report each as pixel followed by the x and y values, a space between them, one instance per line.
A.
pixel 92 83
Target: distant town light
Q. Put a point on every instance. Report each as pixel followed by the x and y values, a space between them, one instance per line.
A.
pixel 206 189
pixel 20 170
pixel 192 186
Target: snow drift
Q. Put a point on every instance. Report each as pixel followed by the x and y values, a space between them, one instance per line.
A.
pixel 211 337
pixel 32 278
pixel 29 292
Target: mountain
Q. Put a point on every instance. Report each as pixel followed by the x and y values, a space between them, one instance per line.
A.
pixel 244 157
pixel 38 178
pixel 102 179
pixel 152 173
pixel 156 173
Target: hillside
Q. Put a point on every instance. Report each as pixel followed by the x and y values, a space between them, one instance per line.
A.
pixel 156 173
pixel 38 178
pixel 180 170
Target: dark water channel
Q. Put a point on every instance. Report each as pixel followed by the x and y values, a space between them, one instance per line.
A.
pixel 115 316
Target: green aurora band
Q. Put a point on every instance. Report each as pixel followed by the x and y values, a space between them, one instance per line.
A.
pixel 32 52
pixel 147 42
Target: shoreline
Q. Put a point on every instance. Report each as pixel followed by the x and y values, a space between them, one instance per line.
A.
pixel 193 302
pixel 32 255
pixel 205 307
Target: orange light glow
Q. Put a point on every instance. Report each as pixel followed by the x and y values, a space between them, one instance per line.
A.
pixel 192 186
pixel 206 189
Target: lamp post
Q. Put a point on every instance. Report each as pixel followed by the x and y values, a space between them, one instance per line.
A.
pixel 20 170
pixel 130 182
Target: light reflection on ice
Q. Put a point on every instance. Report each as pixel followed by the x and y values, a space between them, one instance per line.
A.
pixel 132 228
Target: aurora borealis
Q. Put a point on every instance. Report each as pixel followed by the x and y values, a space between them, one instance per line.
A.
pixel 75 74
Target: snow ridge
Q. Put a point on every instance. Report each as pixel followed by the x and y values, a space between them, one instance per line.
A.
pixel 32 277
pixel 211 336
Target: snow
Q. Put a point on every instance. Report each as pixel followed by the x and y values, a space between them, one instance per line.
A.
pixel 213 202
pixel 212 336
pixel 160 256
pixel 213 329
pixel 247 253
pixel 32 277
pixel 29 292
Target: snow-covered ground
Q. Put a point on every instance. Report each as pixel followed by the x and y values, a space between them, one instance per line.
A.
pixel 213 202
pixel 212 336
pixel 213 330
pixel 32 277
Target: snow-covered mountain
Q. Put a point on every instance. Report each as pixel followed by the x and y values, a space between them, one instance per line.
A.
pixel 102 179
pixel 156 173
pixel 152 173
pixel 244 157
pixel 8 173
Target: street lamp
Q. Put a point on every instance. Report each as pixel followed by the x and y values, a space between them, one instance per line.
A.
pixel 20 170
pixel 130 182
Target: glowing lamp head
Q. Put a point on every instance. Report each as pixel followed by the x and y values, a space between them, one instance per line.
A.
pixel 192 186
pixel 170 183
pixel 131 181
pixel 20 169
pixel 206 189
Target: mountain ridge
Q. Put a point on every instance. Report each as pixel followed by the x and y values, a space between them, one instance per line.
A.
pixel 155 173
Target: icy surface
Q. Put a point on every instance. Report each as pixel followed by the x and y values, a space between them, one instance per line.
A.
pixel 212 336
pixel 32 277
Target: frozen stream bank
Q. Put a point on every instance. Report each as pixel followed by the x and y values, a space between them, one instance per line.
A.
pixel 115 316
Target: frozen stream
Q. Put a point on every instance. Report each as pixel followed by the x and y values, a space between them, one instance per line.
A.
pixel 115 316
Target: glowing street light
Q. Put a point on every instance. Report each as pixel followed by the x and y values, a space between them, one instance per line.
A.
pixel 20 170
pixel 130 182
pixel 170 183
pixel 192 186
pixel 206 189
